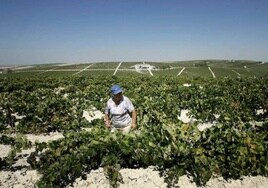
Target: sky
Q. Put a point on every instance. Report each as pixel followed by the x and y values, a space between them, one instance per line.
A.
pixel 81 31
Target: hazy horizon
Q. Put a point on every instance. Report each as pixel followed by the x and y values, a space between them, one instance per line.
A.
pixel 66 31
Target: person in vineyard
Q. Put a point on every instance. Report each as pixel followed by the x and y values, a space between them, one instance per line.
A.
pixel 120 113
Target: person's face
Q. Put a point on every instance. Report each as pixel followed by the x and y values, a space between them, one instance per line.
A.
pixel 118 97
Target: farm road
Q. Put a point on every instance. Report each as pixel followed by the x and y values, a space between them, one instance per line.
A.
pixel 181 71
pixel 83 69
pixel 117 67
pixel 212 72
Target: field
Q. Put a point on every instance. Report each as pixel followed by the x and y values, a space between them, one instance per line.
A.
pixel 200 119
pixel 192 69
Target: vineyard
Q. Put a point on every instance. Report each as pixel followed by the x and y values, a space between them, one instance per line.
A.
pixel 191 69
pixel 235 145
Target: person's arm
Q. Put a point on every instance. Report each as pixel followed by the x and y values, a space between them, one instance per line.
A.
pixel 134 117
pixel 107 121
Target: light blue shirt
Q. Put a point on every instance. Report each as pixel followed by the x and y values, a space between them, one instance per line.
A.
pixel 120 114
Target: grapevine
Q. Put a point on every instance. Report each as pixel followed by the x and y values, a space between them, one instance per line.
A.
pixel 235 146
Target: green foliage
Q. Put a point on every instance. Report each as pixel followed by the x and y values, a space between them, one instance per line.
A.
pixel 17 144
pixel 112 173
pixel 232 148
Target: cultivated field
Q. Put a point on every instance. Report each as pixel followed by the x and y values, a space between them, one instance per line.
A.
pixel 200 68
pixel 199 123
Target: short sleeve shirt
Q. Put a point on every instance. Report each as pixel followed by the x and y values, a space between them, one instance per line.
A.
pixel 120 113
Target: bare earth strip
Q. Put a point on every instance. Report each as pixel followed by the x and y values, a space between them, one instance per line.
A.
pixel 175 68
pixel 150 178
pixel 238 74
pixel 24 67
pixel 212 72
pixel 48 70
pixel 66 64
pixel 150 72
pixel 83 69
pixel 51 70
pixel 117 68
pixel 181 71
pixel 74 70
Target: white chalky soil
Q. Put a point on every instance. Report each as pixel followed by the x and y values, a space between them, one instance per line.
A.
pixel 22 176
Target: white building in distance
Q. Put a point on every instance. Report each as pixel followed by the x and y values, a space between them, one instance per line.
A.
pixel 144 67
